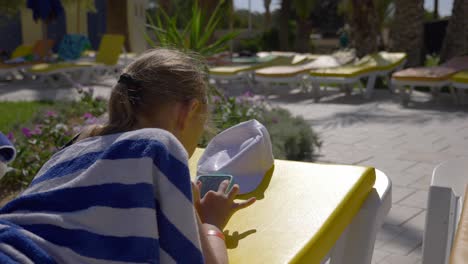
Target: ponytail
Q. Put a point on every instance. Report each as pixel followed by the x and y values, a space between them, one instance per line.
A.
pixel 122 114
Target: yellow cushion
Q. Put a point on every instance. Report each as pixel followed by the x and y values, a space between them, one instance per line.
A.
pixel 376 62
pixel 233 70
pixel 230 70
pixel 49 67
pixel 109 49
pixel 461 77
pixel 302 209
pixel 22 51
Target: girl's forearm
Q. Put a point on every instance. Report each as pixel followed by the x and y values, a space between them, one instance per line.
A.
pixel 214 248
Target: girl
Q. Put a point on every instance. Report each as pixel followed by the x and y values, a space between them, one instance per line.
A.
pixel 99 200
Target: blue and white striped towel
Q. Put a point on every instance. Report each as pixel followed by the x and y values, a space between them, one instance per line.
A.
pixel 122 198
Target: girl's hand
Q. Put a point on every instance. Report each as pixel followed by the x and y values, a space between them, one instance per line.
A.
pixel 216 208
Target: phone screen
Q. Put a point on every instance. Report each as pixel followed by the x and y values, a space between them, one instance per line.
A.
pixel 212 182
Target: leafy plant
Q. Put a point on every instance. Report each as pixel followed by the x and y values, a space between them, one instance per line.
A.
pixel 197 35
pixel 432 60
pixel 37 140
pixel 291 137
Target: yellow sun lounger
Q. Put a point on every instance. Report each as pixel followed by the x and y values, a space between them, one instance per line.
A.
pixel 294 75
pixel 244 72
pixel 433 77
pixel 307 213
pixel 25 56
pixel 460 83
pixel 370 66
pixel 106 62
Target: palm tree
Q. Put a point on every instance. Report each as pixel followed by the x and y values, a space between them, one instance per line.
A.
pixel 456 38
pixel 408 29
pixel 116 19
pixel 304 27
pixel 385 11
pixel 267 22
pixel 284 24
pixel 364 25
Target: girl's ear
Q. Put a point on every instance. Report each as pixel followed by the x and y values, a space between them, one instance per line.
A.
pixel 186 112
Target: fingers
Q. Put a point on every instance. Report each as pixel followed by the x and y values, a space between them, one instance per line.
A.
pixel 196 191
pixel 223 186
pixel 244 204
pixel 233 193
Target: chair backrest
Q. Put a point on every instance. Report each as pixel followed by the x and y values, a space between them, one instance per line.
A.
pixel 21 51
pixel 109 49
pixel 457 63
pixel 72 46
pixel 460 244
pixel 43 48
pixel 443 209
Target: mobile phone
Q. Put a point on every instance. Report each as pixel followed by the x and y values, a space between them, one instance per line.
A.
pixel 211 182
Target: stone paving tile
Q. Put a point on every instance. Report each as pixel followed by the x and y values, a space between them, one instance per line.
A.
pixel 416 252
pixel 379 255
pixel 417 199
pixel 416 224
pixel 396 259
pixel 386 234
pixel 403 243
pixel 401 214
pixel 403 178
pixel 421 169
pixel 422 183
pixel 399 193
pixel 428 157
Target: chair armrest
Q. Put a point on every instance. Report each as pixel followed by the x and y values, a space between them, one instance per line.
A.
pixel 460 244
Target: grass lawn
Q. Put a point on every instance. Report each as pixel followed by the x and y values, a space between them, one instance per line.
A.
pixel 12 113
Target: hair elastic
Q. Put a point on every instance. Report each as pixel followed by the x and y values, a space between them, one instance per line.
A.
pixel 133 87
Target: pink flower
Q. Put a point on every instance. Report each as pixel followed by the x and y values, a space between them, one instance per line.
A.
pixel 26 132
pixel 248 94
pixel 51 114
pixel 91 121
pixel 11 137
pixel 37 130
pixel 88 116
pixel 216 99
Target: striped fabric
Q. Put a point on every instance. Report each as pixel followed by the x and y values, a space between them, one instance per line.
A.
pixel 122 198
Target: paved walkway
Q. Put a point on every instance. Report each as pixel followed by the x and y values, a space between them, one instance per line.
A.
pixel 405 143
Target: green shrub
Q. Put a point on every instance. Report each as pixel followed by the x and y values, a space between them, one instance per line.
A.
pixel 39 138
pixel 292 138
pixel 432 60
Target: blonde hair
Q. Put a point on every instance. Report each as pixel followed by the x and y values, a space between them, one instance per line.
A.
pixel 157 78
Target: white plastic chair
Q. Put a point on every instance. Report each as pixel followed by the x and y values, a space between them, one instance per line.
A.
pixel 444 208
pixel 356 244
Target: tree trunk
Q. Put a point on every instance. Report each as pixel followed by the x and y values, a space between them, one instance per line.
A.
pixel 304 29
pixel 408 29
pixel 267 18
pixel 456 37
pixel 116 19
pixel 208 5
pixel 436 9
pixel 284 24
pixel 166 6
pixel 364 27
